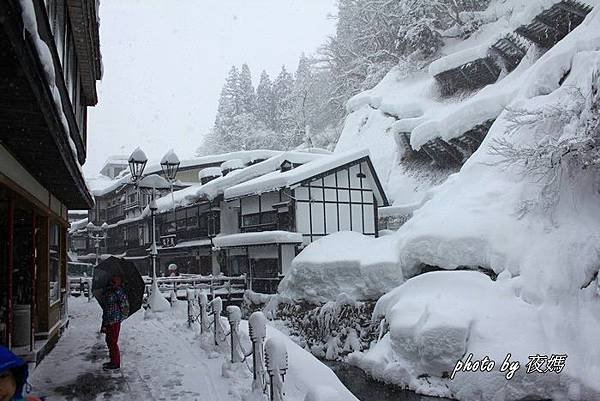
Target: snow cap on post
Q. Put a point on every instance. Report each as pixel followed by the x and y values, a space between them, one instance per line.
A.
pixel 202 298
pixel 217 305
pixel 234 314
pixel 276 355
pixel 258 326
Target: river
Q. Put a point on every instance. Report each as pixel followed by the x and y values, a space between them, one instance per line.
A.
pixel 367 389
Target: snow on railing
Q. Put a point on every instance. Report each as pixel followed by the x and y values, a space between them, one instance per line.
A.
pixel 234 315
pixel 270 358
pixel 218 329
pixel 257 328
pixel 277 364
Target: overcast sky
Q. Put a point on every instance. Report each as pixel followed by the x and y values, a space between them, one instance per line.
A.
pixel 165 62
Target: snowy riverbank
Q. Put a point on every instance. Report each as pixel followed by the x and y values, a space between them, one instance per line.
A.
pixel 163 359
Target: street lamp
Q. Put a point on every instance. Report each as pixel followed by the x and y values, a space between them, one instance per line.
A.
pixel 97 234
pixel 170 165
pixel 137 163
pixel 151 183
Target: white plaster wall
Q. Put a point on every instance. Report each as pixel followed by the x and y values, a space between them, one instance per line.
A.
pixel 288 254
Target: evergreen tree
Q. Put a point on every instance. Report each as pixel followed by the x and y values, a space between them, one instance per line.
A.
pixel 303 99
pixel 222 135
pixel 228 101
pixel 265 105
pixel 246 95
pixel 282 98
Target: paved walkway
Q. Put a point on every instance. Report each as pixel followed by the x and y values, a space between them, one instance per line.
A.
pixel 161 360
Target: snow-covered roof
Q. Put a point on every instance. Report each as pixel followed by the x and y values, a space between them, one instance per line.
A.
pixel 281 179
pixel 115 160
pixel 210 172
pixel 457 59
pixel 232 164
pixel 154 181
pixel 247 156
pixel 103 185
pixel 78 225
pixel 216 187
pixel 398 210
pixel 258 238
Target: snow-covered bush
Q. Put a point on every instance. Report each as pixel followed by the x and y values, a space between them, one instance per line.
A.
pixel 330 330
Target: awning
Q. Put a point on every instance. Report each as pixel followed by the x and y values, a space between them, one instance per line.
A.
pixel 257 238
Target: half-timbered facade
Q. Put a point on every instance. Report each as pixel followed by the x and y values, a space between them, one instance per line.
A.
pixel 49 65
pixel 281 212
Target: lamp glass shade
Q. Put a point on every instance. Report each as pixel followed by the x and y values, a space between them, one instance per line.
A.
pixel 137 163
pixel 170 165
pixel 170 170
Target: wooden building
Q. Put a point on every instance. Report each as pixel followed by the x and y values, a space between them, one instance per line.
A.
pixel 283 211
pixel 249 216
pixel 255 221
pixel 121 206
pixel 49 65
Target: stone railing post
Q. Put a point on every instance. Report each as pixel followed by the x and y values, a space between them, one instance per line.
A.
pixel 277 364
pixel 191 298
pixel 203 302
pixel 257 327
pixel 219 333
pixel 234 315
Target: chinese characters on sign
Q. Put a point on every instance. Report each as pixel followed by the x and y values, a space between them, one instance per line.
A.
pixel 537 364
pixel 168 241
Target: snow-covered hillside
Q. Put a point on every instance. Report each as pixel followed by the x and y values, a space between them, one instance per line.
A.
pixel 412 102
pixel 519 207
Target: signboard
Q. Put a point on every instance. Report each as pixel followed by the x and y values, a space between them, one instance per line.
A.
pixel 168 241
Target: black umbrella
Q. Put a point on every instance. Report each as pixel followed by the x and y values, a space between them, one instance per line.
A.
pixel 133 284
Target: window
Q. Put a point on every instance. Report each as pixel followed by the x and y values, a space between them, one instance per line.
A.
pixel 214 223
pixel 283 221
pixel 55 262
pixel 250 220
pixel 192 222
pixel 259 221
pixel 203 225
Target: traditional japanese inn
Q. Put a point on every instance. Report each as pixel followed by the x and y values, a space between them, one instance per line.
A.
pixel 50 63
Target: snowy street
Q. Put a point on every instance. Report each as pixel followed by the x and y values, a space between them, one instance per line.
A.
pixel 161 360
pixel 75 370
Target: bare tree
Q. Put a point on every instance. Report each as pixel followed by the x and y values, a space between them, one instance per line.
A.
pixel 570 144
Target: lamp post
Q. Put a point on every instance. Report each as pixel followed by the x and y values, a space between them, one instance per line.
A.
pixel 151 183
pixel 94 233
pixel 97 234
pixel 170 165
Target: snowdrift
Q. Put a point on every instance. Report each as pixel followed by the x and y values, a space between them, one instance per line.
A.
pixel 543 246
pixel 346 262
pixel 437 318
